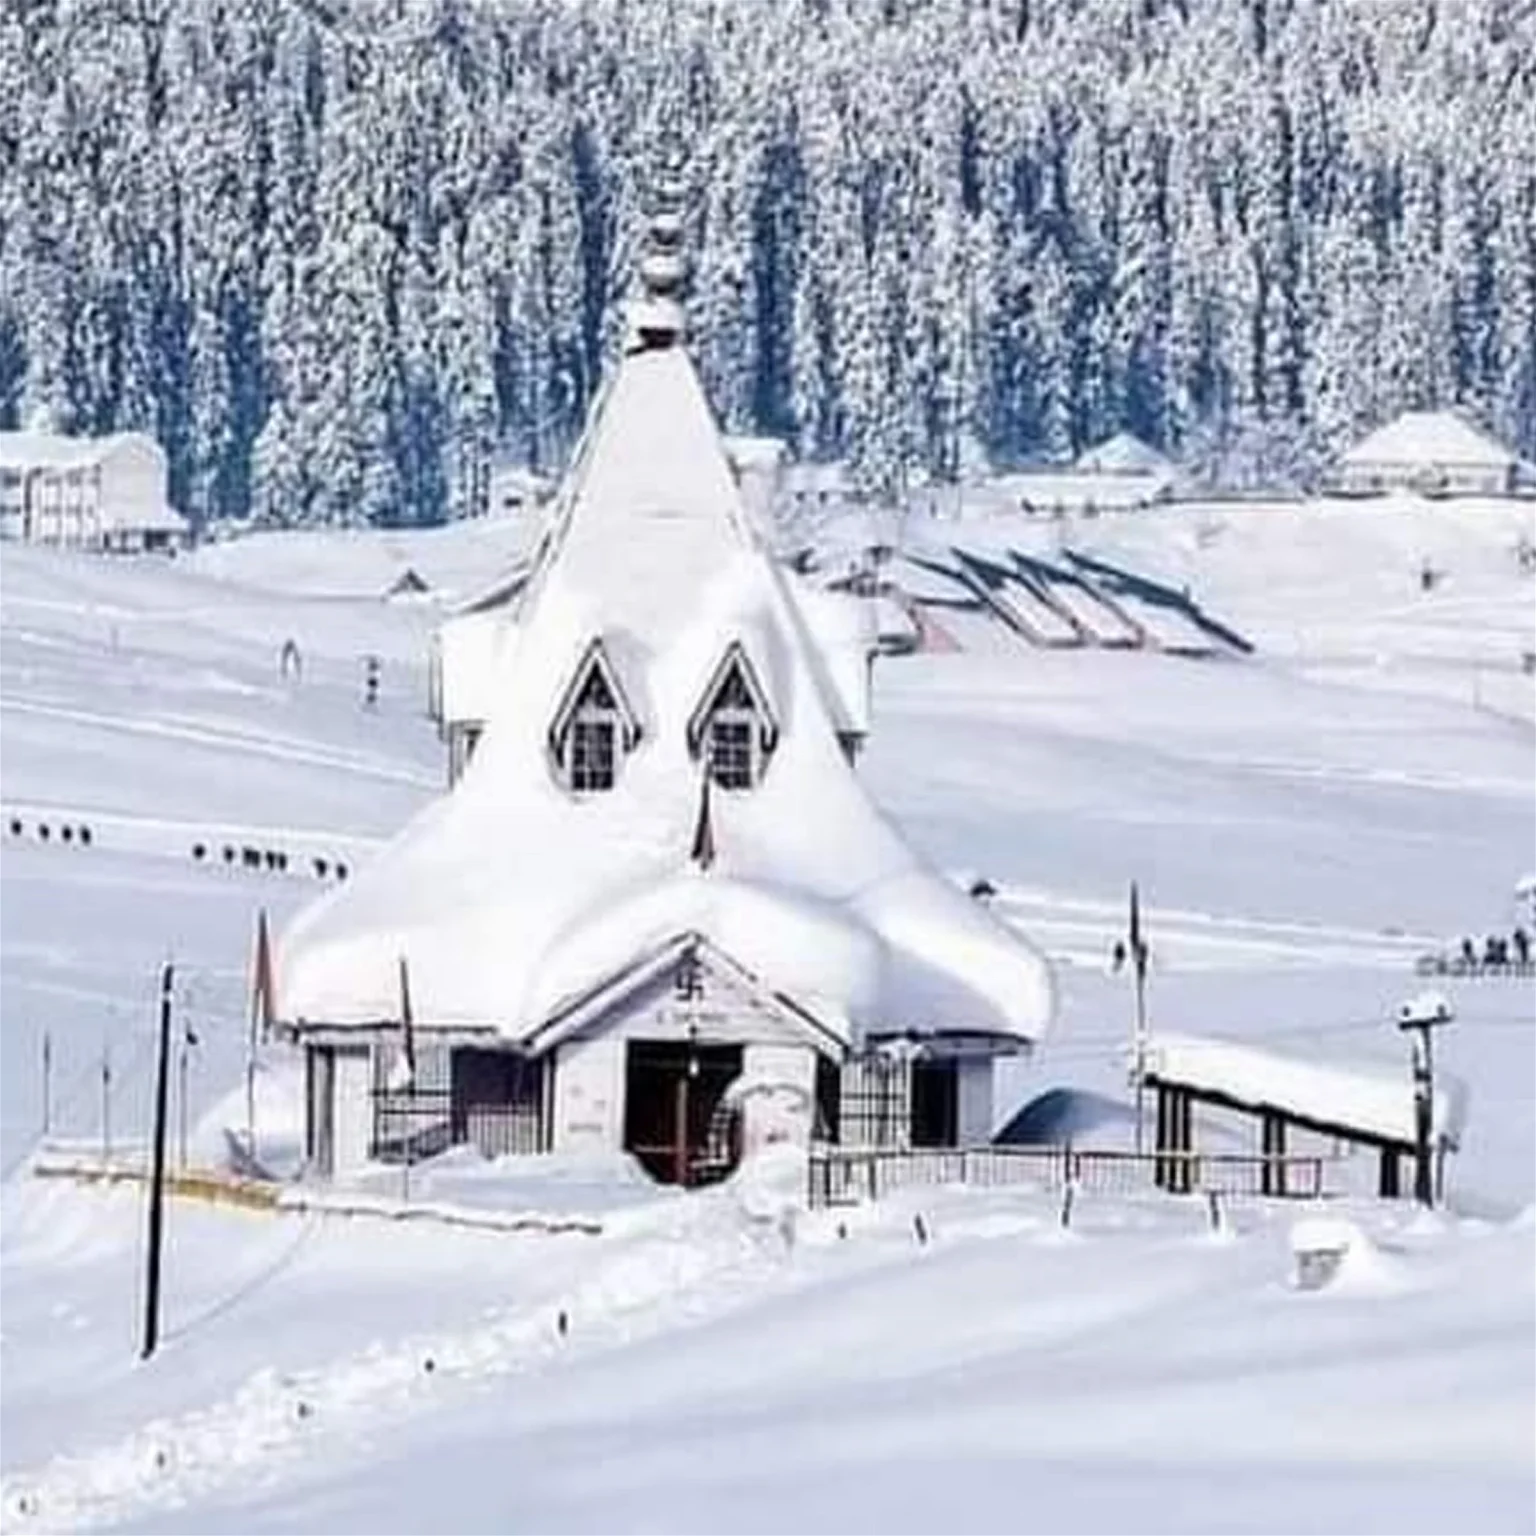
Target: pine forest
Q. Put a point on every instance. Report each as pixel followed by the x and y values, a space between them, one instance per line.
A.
pixel 342 257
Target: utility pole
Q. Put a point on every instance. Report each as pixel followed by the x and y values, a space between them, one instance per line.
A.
pixel 157 1171
pixel 1424 1014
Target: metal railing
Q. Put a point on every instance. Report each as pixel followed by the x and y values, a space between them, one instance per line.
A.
pixel 414 1125
pixel 846 1176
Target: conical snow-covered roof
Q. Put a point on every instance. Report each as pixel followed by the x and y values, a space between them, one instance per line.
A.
pixel 1430 439
pixel 513 896
pixel 1123 454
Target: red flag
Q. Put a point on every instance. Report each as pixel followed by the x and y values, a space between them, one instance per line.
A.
pixel 406 1069
pixel 703 850
pixel 263 1002
pixel 1138 944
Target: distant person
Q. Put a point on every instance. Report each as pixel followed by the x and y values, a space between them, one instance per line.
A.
pixel 1428 576
pixel 370 682
pixel 1468 952
pixel 1522 942
pixel 290 664
pixel 1117 956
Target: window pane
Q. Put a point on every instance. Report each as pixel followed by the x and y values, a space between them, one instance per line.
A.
pixel 595 693
pixel 730 755
pixel 733 692
pixel 591 755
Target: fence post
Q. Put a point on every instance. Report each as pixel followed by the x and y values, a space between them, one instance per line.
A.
pixel 47 1083
pixel 106 1106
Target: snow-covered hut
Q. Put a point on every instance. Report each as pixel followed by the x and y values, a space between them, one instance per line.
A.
pixel 104 493
pixel 1124 454
pixel 1349 1106
pixel 659 874
pixel 1432 452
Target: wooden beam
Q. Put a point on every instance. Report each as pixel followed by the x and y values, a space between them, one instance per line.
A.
pixel 1302 1122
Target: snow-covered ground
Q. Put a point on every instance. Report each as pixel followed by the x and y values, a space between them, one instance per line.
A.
pixel 1302 826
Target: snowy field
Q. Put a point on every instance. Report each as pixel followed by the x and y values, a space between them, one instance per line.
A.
pixel 1302 825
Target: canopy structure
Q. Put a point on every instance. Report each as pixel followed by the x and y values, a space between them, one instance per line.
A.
pixel 1345 1101
pixel 520 895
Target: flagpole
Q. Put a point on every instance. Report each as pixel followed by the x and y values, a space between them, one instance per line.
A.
pixel 261 1019
pixel 1139 976
pixel 408 1053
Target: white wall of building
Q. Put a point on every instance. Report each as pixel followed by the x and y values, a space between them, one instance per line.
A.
pixel 85 492
pixel 352 1115
pixel 589 1095
pixel 1361 478
pixel 779 1103
pixel 974 1095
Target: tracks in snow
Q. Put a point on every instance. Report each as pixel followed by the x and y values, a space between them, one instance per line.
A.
pixel 713 1260
pixel 223 738
pixel 1082 932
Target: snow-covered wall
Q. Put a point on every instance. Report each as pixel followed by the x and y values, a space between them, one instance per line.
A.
pixel 589 1095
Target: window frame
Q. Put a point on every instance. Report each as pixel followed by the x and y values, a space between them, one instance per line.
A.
pixel 733 699
pixel 594 727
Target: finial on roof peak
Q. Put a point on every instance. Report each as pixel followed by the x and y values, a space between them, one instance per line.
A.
pixel 656 315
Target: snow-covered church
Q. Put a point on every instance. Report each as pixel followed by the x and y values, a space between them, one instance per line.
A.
pixel 658 912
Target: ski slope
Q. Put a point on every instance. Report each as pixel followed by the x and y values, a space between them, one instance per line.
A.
pixel 1303 824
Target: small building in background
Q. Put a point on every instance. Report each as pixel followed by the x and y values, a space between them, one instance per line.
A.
pixel 1121 474
pixel 515 490
pixel 1435 453
pixel 1124 454
pixel 817 492
pixel 101 493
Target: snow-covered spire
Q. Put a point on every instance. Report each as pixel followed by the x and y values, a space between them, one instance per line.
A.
pixel 656 314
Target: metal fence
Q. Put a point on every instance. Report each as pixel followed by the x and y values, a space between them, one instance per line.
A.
pixel 415 1124
pixel 841 1176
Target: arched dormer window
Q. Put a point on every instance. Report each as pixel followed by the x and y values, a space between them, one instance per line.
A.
pixel 733 724
pixel 593 726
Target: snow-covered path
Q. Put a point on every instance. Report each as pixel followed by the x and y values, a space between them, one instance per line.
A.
pixel 681 1261
pixel 1136 1376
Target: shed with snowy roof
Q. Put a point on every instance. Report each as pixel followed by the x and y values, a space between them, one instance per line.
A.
pixel 658 875
pixel 1437 453
pixel 1350 1106
pixel 1123 454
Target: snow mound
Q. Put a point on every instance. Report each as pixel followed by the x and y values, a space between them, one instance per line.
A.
pixel 219 1139
pixel 769 1185
pixel 1334 1254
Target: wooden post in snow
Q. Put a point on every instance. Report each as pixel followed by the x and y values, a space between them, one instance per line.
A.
pixel 106 1104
